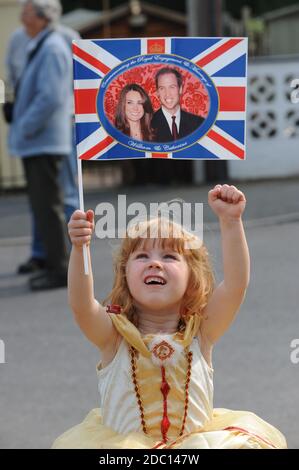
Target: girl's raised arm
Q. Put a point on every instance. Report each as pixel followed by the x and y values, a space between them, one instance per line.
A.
pixel 90 315
pixel 228 203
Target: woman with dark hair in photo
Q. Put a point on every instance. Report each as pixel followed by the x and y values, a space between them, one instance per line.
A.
pixel 134 113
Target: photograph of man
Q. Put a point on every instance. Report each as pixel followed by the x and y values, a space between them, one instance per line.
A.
pixel 171 122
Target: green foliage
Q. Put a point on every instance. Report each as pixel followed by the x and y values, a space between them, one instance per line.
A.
pixel 258 7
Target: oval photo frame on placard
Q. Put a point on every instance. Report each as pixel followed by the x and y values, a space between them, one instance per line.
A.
pixel 148 61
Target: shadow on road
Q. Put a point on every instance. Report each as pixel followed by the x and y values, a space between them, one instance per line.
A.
pixel 12 285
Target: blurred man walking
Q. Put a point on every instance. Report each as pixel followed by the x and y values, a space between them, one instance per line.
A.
pixel 41 133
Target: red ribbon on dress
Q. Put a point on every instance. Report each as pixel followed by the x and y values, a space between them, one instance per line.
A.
pixel 113 308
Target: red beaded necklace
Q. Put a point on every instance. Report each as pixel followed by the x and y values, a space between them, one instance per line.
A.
pixel 162 351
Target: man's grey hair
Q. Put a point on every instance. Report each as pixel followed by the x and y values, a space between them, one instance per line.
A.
pixel 50 10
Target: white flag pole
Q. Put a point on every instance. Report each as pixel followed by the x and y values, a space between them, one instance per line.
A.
pixel 81 200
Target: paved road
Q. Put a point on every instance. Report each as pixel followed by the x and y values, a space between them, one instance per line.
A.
pixel 48 382
pixel 264 199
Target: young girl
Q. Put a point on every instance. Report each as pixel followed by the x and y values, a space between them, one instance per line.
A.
pixel 157 335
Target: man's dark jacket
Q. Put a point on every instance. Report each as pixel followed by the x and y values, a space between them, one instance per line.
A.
pixel 188 124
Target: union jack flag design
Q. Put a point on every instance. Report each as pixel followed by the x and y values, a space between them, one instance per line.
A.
pixel 223 61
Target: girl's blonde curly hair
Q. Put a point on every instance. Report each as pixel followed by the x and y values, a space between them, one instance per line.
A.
pixel 169 235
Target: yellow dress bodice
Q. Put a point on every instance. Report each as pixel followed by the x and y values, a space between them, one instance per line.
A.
pixel 119 401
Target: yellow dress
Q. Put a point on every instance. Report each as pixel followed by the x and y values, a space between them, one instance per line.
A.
pixel 158 393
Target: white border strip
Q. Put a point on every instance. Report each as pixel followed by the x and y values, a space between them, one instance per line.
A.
pixel 87 84
pixel 85 118
pixel 229 81
pixel 231 116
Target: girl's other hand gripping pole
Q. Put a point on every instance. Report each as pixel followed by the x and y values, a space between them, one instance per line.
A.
pixel 81 227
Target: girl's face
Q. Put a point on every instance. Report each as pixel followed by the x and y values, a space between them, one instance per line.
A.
pixel 157 278
pixel 134 106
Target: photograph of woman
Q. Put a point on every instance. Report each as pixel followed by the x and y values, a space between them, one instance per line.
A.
pixel 134 113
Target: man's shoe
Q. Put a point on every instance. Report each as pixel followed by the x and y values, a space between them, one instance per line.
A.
pixel 32 265
pixel 48 280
